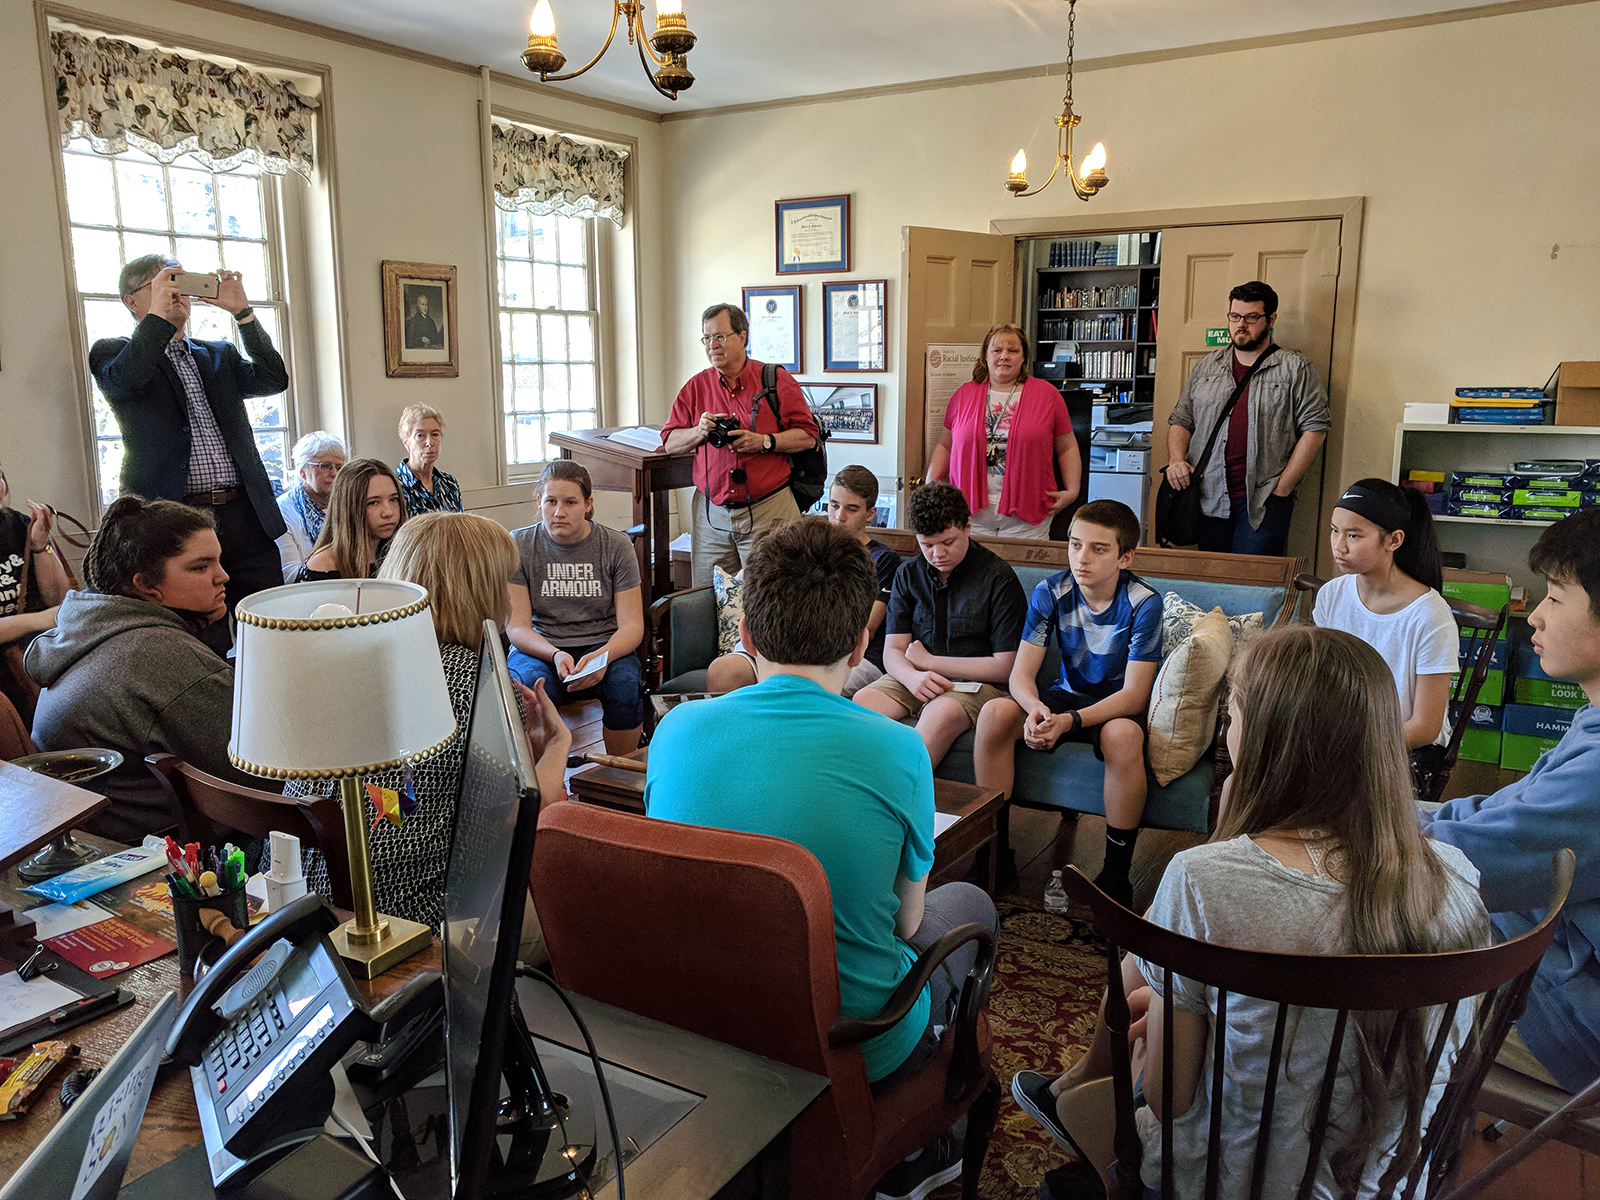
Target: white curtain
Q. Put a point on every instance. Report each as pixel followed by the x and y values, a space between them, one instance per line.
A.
pixel 545 173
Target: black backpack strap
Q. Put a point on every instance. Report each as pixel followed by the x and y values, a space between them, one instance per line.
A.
pixel 769 391
pixel 1227 409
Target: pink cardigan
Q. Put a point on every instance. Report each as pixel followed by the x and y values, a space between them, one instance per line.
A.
pixel 1040 418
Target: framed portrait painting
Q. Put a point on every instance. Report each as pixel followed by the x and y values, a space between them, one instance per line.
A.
pixel 419 320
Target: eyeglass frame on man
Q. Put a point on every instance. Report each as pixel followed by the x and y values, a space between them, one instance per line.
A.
pixel 717 339
pixel 1247 318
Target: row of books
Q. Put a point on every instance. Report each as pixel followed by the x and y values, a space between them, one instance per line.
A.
pixel 1501 406
pixel 1111 327
pixel 1127 250
pixel 1120 295
pixel 1104 364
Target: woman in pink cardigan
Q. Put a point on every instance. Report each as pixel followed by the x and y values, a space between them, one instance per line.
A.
pixel 1004 435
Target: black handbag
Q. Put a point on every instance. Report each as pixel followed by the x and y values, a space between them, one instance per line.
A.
pixel 1178 511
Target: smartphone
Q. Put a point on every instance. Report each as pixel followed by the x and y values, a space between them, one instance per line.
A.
pixel 196 283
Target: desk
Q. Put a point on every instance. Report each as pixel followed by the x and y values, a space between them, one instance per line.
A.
pixel 978 811
pixel 35 809
pixel 649 475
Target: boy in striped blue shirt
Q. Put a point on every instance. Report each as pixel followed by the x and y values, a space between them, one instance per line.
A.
pixel 1107 625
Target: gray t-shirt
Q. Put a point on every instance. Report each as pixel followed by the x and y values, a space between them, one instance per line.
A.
pixel 574 588
pixel 1234 893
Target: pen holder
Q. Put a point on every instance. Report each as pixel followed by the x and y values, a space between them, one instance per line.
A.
pixel 192 935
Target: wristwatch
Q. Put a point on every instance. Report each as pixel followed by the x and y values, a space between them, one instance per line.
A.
pixel 768 442
pixel 1077 721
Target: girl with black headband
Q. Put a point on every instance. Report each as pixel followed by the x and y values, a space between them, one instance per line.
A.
pixel 1384 542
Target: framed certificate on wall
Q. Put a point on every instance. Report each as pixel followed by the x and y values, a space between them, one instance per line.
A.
pixel 813 235
pixel 854 316
pixel 776 325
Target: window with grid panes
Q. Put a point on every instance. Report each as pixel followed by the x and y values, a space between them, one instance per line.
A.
pixel 547 330
pixel 130 205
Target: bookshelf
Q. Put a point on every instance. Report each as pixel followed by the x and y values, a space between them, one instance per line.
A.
pixel 1489 544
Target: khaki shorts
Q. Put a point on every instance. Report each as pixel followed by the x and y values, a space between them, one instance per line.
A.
pixel 971 702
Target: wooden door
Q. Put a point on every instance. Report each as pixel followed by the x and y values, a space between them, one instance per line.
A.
pixel 1200 264
pixel 957 286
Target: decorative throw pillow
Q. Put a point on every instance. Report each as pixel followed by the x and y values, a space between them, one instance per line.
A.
pixel 1178 617
pixel 1183 702
pixel 729 591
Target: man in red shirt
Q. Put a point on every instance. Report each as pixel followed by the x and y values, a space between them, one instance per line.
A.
pixel 743 486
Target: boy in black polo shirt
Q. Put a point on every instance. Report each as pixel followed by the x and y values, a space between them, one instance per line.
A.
pixel 955 621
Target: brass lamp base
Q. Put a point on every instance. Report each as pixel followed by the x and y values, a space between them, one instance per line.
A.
pixel 399 941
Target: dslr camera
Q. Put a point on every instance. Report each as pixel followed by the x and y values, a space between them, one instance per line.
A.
pixel 721 429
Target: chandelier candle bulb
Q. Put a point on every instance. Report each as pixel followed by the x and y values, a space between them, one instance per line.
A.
pixel 541 57
pixel 1018 178
pixel 543 22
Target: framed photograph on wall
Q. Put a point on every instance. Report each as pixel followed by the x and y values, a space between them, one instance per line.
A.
pixel 849 411
pixel 419 320
pixel 854 314
pixel 813 235
pixel 777 325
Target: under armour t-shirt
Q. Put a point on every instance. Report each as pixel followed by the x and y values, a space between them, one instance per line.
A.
pixel 574 588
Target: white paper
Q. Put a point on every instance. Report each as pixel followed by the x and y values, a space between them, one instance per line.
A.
pixel 52 920
pixel 965 685
pixel 21 1002
pixel 856 320
pixel 641 437
pixel 943 821
pixel 594 667
pixel 812 235
pixel 772 329
pixel 948 365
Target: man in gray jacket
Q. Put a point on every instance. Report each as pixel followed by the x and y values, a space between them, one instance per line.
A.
pixel 1274 431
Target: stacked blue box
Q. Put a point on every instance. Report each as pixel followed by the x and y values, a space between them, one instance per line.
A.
pixel 1528 730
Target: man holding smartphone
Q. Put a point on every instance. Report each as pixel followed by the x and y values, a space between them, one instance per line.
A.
pixel 180 406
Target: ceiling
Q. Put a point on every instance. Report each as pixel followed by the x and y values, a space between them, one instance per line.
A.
pixel 753 50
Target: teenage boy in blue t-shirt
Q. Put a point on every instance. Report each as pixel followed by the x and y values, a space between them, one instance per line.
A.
pixel 1107 624
pixel 791 758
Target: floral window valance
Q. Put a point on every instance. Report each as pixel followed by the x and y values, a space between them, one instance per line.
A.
pixel 545 173
pixel 118 95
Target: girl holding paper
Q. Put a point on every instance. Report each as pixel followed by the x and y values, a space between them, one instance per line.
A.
pixel 577 612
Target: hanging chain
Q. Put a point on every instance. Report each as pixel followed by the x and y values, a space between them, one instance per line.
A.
pixel 1072 22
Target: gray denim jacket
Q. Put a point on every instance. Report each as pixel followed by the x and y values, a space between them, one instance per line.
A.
pixel 1286 400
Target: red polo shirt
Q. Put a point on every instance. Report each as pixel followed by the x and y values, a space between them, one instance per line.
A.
pixel 713 467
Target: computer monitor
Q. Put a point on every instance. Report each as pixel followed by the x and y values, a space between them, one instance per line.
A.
pixel 86 1153
pixel 486 881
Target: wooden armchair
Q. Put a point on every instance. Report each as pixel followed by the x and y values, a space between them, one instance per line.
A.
pixel 207 809
pixel 1496 979
pixel 1481 628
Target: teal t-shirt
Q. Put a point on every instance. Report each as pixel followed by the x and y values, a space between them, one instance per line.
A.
pixel 788 759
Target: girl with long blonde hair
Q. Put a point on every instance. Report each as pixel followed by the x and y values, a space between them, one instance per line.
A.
pixel 365 510
pixel 1317 851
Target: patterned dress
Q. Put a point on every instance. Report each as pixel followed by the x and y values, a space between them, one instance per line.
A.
pixel 445 497
pixel 408 863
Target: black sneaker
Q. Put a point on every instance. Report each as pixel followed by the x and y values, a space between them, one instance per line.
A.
pixel 1075 1180
pixel 1118 887
pixel 936 1166
pixel 1031 1091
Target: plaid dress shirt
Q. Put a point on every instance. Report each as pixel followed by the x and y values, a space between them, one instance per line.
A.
pixel 210 465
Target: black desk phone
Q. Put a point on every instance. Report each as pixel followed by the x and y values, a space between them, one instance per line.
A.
pixel 262 1032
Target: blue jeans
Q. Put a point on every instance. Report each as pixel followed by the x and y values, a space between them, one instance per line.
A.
pixel 1234 535
pixel 618 692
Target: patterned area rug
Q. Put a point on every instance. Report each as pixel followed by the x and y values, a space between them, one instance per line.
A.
pixel 1049 974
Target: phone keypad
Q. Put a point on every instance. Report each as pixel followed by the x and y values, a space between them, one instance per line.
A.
pixel 245 1040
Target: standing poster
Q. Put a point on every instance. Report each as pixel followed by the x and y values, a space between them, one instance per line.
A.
pixel 947 365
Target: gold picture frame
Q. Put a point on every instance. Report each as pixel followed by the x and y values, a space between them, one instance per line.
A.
pixel 420 338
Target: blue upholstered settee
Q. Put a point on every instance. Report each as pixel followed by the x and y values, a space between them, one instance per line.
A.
pixel 684 632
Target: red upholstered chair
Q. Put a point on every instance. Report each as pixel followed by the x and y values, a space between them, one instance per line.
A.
pixel 730 935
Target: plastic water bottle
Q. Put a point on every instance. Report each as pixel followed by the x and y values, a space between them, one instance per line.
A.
pixel 1055 896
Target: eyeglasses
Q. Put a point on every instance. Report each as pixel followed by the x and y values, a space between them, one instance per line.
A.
pixel 1246 318
pixel 324 466
pixel 716 339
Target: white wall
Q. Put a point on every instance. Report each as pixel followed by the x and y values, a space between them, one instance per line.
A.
pixel 1475 143
pixel 409 185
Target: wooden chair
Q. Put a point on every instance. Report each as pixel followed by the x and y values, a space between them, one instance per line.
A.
pixel 1497 978
pixel 1481 627
pixel 207 809
pixel 14 739
pixel 730 935
pixel 1548 1113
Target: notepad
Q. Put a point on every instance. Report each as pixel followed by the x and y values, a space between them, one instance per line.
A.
pixel 594 667
pixel 24 1001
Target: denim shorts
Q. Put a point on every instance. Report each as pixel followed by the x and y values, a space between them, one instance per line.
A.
pixel 618 692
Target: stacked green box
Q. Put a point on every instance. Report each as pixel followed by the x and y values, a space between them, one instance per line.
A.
pixel 1480 740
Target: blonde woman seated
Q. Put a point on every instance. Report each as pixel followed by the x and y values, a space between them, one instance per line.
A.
pixel 463 560
pixel 364 512
pixel 1317 851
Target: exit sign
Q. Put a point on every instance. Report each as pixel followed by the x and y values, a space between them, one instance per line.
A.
pixel 1217 337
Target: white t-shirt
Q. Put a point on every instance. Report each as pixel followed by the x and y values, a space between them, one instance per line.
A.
pixel 1420 639
pixel 1234 893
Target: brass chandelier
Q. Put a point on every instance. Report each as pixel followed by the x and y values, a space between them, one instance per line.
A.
pixel 663 54
pixel 1091 177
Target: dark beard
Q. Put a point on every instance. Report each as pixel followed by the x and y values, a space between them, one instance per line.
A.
pixel 1259 343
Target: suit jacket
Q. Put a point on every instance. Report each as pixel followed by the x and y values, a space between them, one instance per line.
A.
pixel 146 395
pixel 419 327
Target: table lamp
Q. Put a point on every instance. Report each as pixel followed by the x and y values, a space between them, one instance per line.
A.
pixel 338 679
